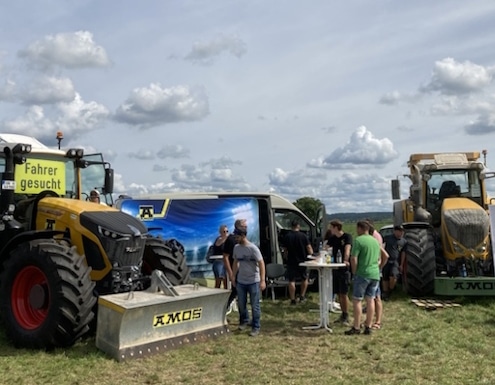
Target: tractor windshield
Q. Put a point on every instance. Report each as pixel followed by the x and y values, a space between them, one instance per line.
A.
pixel 453 183
pixel 44 172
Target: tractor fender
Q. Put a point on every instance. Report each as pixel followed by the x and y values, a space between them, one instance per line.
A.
pixel 27 236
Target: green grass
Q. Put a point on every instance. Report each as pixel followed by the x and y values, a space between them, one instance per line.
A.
pixel 415 346
pixel 351 227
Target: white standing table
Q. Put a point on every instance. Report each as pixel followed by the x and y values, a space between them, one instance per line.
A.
pixel 325 289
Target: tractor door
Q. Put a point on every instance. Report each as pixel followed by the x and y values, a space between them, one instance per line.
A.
pixel 96 174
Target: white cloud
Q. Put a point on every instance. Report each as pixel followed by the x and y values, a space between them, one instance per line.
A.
pixel 154 105
pixel 69 50
pixel 221 163
pixel 205 178
pixel 373 190
pixel 33 123
pixel 159 168
pixel 8 91
pixel 484 124
pixel 363 149
pixel 47 90
pixel 279 177
pixel 173 151
pixel 395 97
pixel 79 117
pixel 464 105
pixel 142 155
pixel 204 52
pixel 452 77
pixel 74 119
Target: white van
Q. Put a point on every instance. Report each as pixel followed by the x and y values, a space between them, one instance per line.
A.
pixel 193 220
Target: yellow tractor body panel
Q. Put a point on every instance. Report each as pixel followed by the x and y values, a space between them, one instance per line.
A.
pixel 62 214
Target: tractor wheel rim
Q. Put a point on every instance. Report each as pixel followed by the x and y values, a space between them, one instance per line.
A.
pixel 30 297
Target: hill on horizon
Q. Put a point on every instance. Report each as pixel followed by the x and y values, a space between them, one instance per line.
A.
pixel 378 216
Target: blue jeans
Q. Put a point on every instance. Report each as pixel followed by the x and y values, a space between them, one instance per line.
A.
pixel 364 287
pixel 254 294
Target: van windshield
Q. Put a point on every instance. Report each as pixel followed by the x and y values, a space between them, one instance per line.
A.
pixel 284 218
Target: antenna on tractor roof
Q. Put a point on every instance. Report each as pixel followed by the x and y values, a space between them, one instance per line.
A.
pixel 59 138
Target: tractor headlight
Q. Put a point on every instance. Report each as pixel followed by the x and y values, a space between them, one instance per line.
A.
pixel 77 153
pixel 481 248
pixel 112 234
pixel 457 248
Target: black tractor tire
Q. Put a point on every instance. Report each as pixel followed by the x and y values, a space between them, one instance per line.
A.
pixel 418 277
pixel 46 295
pixel 159 255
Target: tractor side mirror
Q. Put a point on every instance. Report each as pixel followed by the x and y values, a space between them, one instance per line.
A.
pixel 108 188
pixel 395 189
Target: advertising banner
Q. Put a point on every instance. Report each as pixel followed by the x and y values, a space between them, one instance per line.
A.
pixel 195 223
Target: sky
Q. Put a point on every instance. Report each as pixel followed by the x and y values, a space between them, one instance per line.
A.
pixel 325 99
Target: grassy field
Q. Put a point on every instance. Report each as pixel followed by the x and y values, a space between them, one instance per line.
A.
pixel 415 346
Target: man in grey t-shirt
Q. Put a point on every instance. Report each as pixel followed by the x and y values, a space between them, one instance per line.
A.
pixel 248 277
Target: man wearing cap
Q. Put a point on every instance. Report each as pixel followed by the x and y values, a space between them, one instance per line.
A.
pixel 395 246
pixel 248 276
pixel 228 255
pixel 296 247
pixel 94 196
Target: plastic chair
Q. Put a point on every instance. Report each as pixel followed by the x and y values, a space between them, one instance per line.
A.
pixel 275 277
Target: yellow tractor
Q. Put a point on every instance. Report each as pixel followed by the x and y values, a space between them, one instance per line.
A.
pixel 447 225
pixel 60 254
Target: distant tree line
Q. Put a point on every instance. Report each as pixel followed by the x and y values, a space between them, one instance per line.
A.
pixel 309 206
pixel 375 216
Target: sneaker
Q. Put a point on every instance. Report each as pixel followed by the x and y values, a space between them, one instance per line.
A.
pixel 254 332
pixel 342 320
pixel 242 326
pixel 352 331
pixel 293 302
pixel 367 330
pixel 302 299
pixel 336 305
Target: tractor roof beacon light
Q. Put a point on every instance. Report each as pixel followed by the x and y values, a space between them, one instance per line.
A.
pixel 59 138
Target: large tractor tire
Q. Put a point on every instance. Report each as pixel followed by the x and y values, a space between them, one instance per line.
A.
pixel 46 295
pixel 419 271
pixel 169 258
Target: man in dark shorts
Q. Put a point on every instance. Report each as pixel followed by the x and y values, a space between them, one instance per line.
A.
pixel 296 249
pixel 395 246
pixel 341 241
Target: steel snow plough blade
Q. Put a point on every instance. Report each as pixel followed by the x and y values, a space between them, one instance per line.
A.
pixel 142 323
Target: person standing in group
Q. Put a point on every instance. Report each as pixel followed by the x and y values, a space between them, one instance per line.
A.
pixel 228 255
pixel 218 265
pixel 296 248
pixel 378 295
pixel 365 258
pixel 248 276
pixel 395 245
pixel 341 242
pixel 374 232
pixel 378 298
